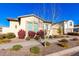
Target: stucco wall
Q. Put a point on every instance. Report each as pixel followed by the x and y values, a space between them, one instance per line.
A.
pixel 55 29
pixel 52 29
pixel 13 28
pixel 25 20
pixel 5 29
pixel 68 27
pixel 30 19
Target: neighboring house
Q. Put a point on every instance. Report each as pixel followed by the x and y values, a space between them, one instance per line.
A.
pixel 63 26
pixel 67 26
pixel 55 28
pixel 35 23
pixel 76 28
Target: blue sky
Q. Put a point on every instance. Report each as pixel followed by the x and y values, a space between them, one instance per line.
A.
pixel 63 11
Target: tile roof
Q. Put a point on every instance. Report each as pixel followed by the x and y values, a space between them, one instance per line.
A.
pixel 11 19
pixel 35 16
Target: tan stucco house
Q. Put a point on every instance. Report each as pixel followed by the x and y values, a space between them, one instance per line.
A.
pixel 67 26
pixel 34 23
pixel 27 23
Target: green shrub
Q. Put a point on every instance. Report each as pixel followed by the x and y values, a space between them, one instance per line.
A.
pixel 5 41
pixel 17 47
pixel 47 43
pixel 46 37
pixel 27 38
pixel 37 37
pixel 74 39
pixel 64 45
pixel 35 50
pixel 63 40
pixel 2 36
pixel 56 36
pixel 10 35
pixel 50 37
pixel 60 36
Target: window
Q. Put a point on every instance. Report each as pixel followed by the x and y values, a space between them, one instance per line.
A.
pixel 70 23
pixel 35 27
pixel 30 26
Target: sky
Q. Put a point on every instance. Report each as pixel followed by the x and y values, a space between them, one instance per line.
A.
pixel 62 11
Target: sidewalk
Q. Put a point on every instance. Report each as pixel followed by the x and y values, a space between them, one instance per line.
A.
pixel 67 52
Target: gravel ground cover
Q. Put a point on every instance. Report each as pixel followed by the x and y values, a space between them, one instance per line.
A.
pixel 25 51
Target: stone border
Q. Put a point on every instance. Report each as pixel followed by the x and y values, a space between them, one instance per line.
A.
pixel 67 52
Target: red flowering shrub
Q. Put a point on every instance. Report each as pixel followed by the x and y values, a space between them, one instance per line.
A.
pixel 31 34
pixel 21 34
pixel 41 33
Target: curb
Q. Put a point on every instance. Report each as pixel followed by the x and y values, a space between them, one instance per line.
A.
pixel 67 52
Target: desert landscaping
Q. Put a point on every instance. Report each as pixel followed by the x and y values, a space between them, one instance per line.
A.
pixel 35 44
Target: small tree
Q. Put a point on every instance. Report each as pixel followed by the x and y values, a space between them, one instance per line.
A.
pixel 21 34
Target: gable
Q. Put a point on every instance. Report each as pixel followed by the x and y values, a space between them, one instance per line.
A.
pixel 31 19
